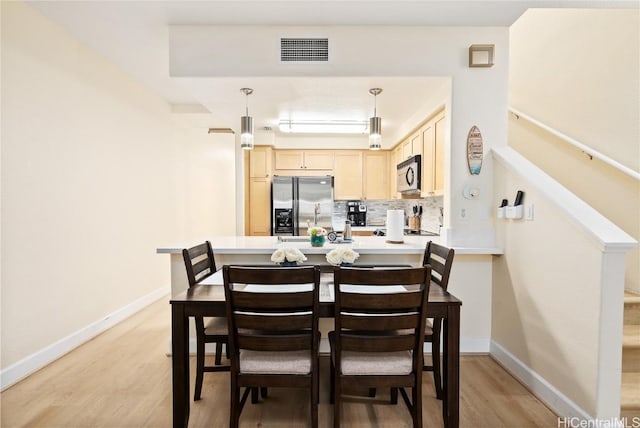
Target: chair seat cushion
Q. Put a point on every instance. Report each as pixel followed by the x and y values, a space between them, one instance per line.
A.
pixel 280 362
pixel 216 326
pixel 428 328
pixel 376 363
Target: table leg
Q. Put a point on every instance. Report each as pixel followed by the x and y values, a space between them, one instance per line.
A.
pixel 451 368
pixel 180 365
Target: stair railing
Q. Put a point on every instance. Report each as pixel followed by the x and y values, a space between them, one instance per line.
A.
pixel 584 148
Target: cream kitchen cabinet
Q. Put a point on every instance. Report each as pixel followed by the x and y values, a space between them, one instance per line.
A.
pixel 395 157
pixel 433 134
pixel 259 192
pixel 317 160
pixel 347 170
pixel 376 176
pixel 412 145
pixel 259 206
pixel 260 162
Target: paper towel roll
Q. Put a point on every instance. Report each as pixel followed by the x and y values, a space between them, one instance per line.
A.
pixel 395 226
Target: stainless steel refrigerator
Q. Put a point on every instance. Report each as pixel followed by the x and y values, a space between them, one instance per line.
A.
pixel 300 202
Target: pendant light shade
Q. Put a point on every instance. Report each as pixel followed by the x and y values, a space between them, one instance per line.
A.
pixel 375 133
pixel 246 124
pixel 375 123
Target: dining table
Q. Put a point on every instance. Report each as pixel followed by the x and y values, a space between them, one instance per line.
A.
pixel 207 299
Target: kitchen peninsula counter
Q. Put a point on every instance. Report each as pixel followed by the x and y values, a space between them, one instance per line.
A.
pixel 362 244
pixel 471 274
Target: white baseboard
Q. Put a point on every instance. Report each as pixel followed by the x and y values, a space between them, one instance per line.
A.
pixel 41 358
pixel 540 387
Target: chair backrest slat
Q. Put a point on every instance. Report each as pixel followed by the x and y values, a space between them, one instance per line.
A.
pixel 276 322
pixel 247 300
pixel 269 275
pixel 367 343
pixel 382 322
pixel 440 258
pixel 368 301
pixel 291 342
pixel 380 276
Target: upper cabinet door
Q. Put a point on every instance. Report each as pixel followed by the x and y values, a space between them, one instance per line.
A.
pixel 407 149
pixel 438 161
pixel 396 156
pixel 260 162
pixel 428 138
pixel 347 168
pixel 433 134
pixel 304 159
pixel 376 176
pixel 412 145
pixel 289 159
pixel 318 159
pixel 416 143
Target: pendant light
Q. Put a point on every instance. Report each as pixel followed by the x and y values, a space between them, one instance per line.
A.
pixel 375 123
pixel 246 124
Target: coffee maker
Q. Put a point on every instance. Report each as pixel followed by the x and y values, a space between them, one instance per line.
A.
pixel 357 213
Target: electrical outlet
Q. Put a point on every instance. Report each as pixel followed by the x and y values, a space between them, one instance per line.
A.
pixel 528 212
pixel 464 213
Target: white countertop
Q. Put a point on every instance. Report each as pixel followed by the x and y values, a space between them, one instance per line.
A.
pixel 361 244
pixel 366 228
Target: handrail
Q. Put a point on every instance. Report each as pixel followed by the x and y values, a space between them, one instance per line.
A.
pixel 589 151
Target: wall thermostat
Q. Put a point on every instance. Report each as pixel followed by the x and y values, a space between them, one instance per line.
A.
pixel 470 192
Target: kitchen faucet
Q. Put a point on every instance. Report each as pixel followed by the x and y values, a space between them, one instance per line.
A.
pixel 316 211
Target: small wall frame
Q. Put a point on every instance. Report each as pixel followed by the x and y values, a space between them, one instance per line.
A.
pixel 481 55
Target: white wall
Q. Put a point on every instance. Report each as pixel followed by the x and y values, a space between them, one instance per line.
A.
pixel 582 77
pixel 96 174
pixel 476 96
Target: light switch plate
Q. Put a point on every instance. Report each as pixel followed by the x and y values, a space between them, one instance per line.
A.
pixel 528 212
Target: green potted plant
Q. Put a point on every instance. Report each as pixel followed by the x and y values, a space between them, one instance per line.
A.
pixel 318 236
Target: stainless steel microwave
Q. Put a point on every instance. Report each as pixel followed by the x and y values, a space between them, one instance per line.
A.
pixel 409 175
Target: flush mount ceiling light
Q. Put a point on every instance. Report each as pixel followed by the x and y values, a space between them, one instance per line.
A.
pixel 323 126
pixel 375 123
pixel 246 124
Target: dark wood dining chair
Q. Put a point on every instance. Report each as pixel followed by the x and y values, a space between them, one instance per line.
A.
pixel 440 258
pixel 380 318
pixel 200 264
pixel 273 331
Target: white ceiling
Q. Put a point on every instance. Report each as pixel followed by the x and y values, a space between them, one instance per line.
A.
pixel 134 35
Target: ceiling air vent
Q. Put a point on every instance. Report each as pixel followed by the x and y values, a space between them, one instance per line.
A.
pixel 304 50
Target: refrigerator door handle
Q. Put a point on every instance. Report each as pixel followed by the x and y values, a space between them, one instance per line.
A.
pixel 296 208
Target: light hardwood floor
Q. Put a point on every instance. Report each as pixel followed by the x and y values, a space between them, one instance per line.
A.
pixel 122 378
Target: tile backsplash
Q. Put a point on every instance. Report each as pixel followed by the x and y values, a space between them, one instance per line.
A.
pixel 377 212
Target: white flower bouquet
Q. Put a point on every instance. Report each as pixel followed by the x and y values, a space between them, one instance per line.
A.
pixel 288 254
pixel 340 255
